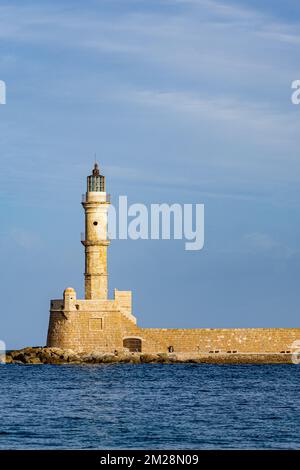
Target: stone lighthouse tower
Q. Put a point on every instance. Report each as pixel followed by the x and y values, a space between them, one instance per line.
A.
pixel 95 204
pixel 95 323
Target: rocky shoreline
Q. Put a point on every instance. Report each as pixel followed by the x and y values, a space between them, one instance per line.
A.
pixel 43 355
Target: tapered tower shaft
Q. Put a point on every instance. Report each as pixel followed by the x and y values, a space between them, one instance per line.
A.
pixel 96 203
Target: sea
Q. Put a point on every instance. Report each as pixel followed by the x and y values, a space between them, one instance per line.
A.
pixel 150 406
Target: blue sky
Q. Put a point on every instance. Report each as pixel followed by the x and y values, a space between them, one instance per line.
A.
pixel 184 101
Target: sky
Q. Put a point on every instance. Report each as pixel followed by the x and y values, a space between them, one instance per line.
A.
pixel 183 101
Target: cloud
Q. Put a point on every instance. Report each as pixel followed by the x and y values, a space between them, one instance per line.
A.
pixel 26 239
pixel 199 190
pixel 199 65
pixel 268 123
pixel 281 34
pixel 264 244
pixel 222 9
pixel 260 241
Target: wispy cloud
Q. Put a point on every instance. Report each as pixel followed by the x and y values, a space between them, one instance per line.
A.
pixel 268 123
pixel 265 244
pixel 206 63
pixel 26 239
pixel 223 9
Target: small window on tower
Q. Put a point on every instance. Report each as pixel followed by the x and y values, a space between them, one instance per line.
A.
pixel 95 223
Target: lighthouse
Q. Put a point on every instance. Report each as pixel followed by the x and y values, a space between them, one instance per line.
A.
pixel 94 323
pixel 96 203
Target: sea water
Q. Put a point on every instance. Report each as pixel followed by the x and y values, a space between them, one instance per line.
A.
pixel 150 406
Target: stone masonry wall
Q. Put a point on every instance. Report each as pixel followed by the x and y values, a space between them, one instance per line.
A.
pixel 101 326
pixel 203 340
pixel 90 326
pixel 248 340
pixel 124 299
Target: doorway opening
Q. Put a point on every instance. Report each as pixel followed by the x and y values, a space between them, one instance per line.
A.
pixel 133 344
